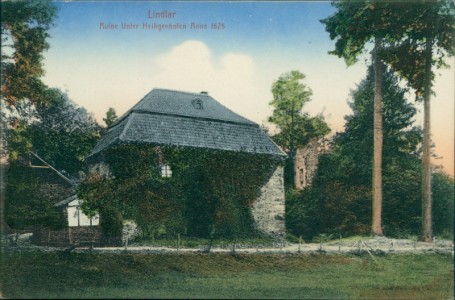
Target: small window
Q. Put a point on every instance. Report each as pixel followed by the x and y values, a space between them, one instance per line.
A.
pixel 166 171
pixel 197 104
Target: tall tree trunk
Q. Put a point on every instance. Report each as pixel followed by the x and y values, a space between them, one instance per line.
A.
pixel 427 232
pixel 377 136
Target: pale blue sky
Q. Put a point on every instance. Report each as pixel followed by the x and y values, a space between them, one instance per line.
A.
pixel 101 68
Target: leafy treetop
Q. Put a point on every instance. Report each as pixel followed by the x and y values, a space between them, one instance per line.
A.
pixel 24 32
pixel 296 127
pixel 111 117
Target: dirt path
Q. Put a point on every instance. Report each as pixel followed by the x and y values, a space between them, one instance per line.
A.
pixel 377 245
pixel 372 245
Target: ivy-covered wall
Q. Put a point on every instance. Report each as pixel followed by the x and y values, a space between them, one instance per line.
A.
pixel 210 192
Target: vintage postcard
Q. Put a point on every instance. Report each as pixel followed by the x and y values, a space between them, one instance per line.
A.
pixel 227 149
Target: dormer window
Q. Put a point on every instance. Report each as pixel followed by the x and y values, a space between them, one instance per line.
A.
pixel 197 104
pixel 166 171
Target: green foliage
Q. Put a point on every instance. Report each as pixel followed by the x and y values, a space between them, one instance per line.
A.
pixel 60 132
pixel 30 195
pixel 19 143
pixel 426 27
pixel 351 27
pixel 111 117
pixel 339 199
pixel 24 32
pixel 443 205
pixel 209 194
pixel 111 221
pixel 40 119
pixel 296 128
pixel 63 134
pixel 415 37
pixel 403 27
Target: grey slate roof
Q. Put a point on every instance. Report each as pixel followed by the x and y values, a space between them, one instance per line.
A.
pixel 166 117
pixel 66 201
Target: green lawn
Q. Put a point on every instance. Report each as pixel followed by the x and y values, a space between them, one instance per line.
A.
pixel 89 275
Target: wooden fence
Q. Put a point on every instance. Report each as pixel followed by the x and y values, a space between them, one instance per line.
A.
pixel 73 236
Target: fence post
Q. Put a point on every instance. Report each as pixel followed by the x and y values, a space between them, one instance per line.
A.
pixel 70 237
pixel 233 247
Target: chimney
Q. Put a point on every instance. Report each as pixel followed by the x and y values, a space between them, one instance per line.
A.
pixel 204 93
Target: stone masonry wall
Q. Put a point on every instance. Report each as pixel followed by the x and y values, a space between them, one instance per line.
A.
pixel 306 164
pixel 268 210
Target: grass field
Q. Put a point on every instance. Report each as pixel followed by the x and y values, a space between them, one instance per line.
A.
pixel 90 275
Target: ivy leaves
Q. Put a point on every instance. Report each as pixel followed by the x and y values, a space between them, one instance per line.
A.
pixel 209 191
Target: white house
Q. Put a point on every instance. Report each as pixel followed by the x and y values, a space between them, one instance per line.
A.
pixel 75 215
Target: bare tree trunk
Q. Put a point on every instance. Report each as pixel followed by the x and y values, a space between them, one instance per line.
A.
pixel 3 170
pixel 377 136
pixel 427 232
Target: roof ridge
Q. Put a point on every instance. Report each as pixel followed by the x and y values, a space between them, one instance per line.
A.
pixel 181 92
pixel 128 112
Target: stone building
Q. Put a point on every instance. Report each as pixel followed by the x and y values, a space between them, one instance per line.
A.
pixel 197 121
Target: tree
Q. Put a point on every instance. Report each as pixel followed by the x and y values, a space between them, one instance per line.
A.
pixel 428 37
pixel 417 36
pixel 296 127
pixel 354 25
pixel 399 148
pixel 377 140
pixel 63 134
pixel 24 32
pixel 111 117
pixel 338 200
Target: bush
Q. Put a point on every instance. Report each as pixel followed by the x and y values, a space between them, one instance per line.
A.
pixel 443 205
pixel 111 222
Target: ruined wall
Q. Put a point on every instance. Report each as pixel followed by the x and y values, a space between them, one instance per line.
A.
pixel 306 164
pixel 268 210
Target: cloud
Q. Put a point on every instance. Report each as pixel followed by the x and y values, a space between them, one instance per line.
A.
pixel 102 80
pixel 186 65
pixel 231 79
